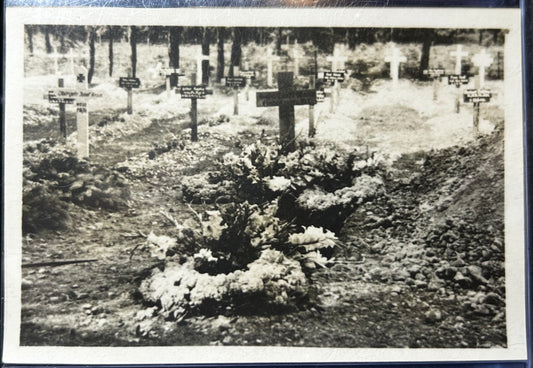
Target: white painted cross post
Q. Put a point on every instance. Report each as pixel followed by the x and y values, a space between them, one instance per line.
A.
pixel 482 60
pixel 56 56
pixel 235 82
pixel 459 53
pixel 337 65
pixel 296 56
pixel 395 57
pixel 199 58
pixel 82 114
pixel 270 58
pixel 171 78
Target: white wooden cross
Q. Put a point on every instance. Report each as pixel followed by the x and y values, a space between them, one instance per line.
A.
pixel 337 64
pixel 337 60
pixel 270 58
pixel 82 114
pixel 56 56
pixel 482 60
pixel 395 57
pixel 73 56
pixel 458 53
pixel 296 55
pixel 199 58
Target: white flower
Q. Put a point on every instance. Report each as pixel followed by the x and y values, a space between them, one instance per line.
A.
pixel 278 183
pixel 159 245
pixel 205 254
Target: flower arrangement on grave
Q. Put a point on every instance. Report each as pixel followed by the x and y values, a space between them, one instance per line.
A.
pixel 311 183
pixel 243 256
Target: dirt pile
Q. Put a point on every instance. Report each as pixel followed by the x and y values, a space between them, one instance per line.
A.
pixel 440 226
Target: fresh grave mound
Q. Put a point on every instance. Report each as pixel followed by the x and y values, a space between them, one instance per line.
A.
pixel 53 177
pixel 314 185
pixel 440 226
pixel 240 259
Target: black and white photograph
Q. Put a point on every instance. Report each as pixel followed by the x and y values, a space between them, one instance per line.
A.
pixel 218 184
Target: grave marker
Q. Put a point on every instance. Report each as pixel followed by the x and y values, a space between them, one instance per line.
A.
pixel 436 75
pixel 235 82
pixel 458 53
pixel 312 85
pixel 482 60
pixel 395 57
pixel 249 75
pixel 171 78
pixel 193 93
pixel 270 59
pixel 458 80
pixel 286 98
pixel 477 96
pixel 79 95
pixel 337 66
pixel 296 56
pixel 129 83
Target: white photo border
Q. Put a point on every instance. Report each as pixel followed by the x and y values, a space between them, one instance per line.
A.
pixel 515 243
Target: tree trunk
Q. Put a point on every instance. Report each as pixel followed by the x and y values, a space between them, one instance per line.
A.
pixel 29 32
pixel 205 51
pixel 92 39
pixel 111 35
pixel 62 46
pixel 236 49
pixel 47 40
pixel 133 43
pixel 426 48
pixel 174 37
pixel 220 54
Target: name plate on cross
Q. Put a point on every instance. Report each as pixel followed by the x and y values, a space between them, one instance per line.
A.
pixel 54 98
pixel 477 95
pixel 458 79
pixel 335 76
pixel 320 95
pixel 193 92
pixel 129 82
pixel 236 81
pixel 434 72
pixel 247 74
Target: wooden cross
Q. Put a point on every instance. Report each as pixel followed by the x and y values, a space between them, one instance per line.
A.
pixel 129 83
pixel 436 75
pixel 270 58
pixel 171 78
pixel 477 96
pixel 193 93
pixel 482 60
pixel 200 57
pixel 235 82
pixel 337 65
pixel 312 129
pixel 337 60
pixel 56 56
pixel 79 95
pixel 458 53
pixel 286 98
pixel 296 56
pixel 82 114
pixel 395 57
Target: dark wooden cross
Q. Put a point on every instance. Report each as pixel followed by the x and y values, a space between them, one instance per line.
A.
pixel 477 96
pixel 286 98
pixel 193 93
pixel 436 75
pixel 129 83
